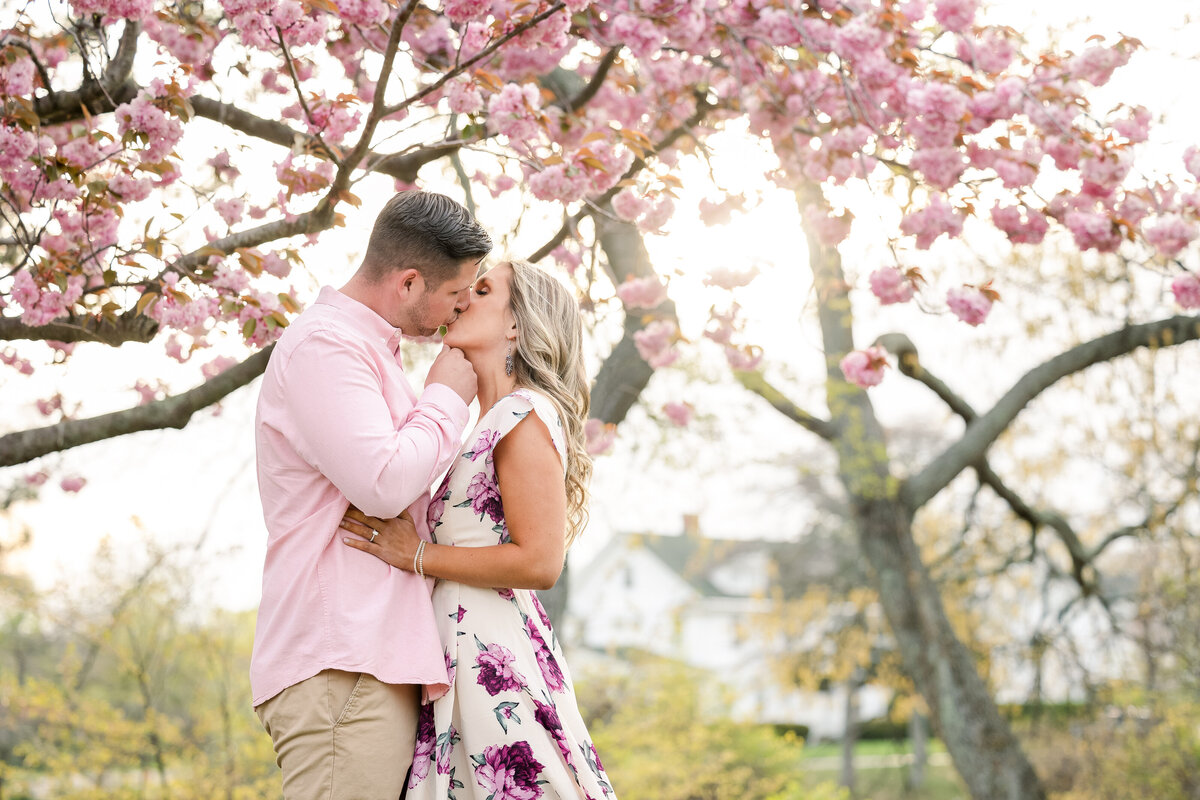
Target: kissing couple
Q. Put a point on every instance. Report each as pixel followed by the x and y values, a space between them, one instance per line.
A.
pixel 399 635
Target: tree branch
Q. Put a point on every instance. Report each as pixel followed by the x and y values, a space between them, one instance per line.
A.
pixel 231 116
pixel 572 222
pixel 588 92
pixel 99 96
pixel 112 331
pixel 170 412
pixel 1081 557
pixel 980 434
pixel 624 373
pixel 475 59
pixel 757 383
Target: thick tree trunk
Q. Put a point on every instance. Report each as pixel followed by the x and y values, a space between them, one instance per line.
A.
pixel 985 752
pixel 624 373
pixel 983 747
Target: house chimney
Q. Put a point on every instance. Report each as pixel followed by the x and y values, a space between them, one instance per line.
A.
pixel 691 525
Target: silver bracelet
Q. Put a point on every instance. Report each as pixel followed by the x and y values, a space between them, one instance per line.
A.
pixel 419 559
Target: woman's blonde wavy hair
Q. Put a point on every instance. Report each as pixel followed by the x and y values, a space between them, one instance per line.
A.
pixel 548 357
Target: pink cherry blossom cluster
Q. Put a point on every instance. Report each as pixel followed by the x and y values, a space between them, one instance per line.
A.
pixel 730 278
pixel 599 436
pixel 567 257
pixel 72 484
pixel 148 393
pixel 10 358
pixel 648 212
pixel 1022 224
pixel 143 117
pixel 230 209
pixel 218 365
pixel 655 343
pixel 930 222
pixel 1186 289
pixel 720 212
pixel 301 175
pixel 1169 234
pixel 464 96
pixel 970 304
pixel 49 405
pixel 515 112
pixel 17 77
pixel 830 229
pixel 262 23
pixel 188 41
pixel 41 305
pixel 891 285
pixel 679 413
pixel 130 189
pixel 864 368
pixel 642 292
pixel 114 9
pixel 329 118
pixel 743 358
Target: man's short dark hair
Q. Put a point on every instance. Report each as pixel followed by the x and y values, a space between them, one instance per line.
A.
pixel 427 232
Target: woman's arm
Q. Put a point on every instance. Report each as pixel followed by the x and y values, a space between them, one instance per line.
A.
pixel 534 497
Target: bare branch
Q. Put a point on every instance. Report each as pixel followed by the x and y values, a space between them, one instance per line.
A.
pixel 170 412
pixel 757 383
pixel 311 221
pixel 231 116
pixel 980 434
pixel 1081 557
pixel 588 92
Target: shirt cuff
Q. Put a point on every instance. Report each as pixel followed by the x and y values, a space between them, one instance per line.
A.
pixel 443 397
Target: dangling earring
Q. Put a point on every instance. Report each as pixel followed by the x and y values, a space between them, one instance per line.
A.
pixel 508 360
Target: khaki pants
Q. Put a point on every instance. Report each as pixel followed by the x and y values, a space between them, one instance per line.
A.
pixel 342 736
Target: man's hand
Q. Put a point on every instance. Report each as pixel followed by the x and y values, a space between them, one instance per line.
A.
pixel 452 369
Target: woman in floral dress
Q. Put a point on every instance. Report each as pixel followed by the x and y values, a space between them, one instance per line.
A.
pixel 508 727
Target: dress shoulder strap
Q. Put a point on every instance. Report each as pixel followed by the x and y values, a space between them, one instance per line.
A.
pixel 513 408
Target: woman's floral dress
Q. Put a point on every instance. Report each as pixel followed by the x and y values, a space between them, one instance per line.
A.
pixel 509 727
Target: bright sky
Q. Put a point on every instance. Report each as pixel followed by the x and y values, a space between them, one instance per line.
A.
pixel 176 488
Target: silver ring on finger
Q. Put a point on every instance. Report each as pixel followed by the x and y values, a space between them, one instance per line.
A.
pixel 374 533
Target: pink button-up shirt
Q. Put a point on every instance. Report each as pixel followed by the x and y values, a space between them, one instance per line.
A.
pixel 338 423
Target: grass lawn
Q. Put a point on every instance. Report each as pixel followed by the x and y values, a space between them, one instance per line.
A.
pixel 876 775
pixel 874 747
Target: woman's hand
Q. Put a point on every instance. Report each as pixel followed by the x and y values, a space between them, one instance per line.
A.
pixel 393 540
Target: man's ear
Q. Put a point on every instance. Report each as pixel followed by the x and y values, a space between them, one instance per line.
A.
pixel 408 284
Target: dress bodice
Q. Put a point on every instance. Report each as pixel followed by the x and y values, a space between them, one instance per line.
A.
pixel 466 510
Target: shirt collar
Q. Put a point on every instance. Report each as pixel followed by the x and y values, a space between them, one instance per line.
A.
pixel 362 317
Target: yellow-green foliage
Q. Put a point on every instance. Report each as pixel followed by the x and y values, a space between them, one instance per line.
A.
pixel 139 700
pixel 1139 748
pixel 661 734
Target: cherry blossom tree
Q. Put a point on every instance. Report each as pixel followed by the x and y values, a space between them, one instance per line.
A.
pixel 166 166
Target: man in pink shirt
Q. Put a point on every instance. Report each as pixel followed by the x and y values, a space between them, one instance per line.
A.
pixel 345 642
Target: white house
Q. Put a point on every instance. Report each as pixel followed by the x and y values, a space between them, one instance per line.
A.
pixel 696 598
